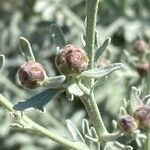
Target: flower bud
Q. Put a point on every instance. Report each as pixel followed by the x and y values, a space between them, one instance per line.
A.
pixel 71 60
pixel 140 46
pixel 143 68
pixel 31 75
pixel 142 115
pixel 127 123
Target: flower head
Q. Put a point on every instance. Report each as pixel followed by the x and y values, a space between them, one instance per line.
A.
pixel 31 75
pixel 71 60
pixel 127 123
pixel 142 115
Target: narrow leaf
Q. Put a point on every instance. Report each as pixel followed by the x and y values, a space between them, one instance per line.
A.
pixel 26 49
pixel 101 49
pixel 103 71
pixel 77 136
pixel 58 37
pixel 94 145
pixel 134 100
pixel 54 82
pixel 2 61
pixel 85 127
pixel 37 101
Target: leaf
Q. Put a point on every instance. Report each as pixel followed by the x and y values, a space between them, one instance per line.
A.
pixel 101 49
pixel 134 100
pixel 54 82
pixel 77 136
pixel 58 37
pixel 116 146
pixel 37 101
pixel 94 145
pixel 75 90
pixel 103 71
pixel 26 49
pixel 2 61
pixel 85 127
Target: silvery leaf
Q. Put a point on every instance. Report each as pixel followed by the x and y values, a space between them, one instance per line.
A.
pixel 37 101
pixel 103 71
pixel 75 90
pixel 101 49
pixel 76 135
pixel 26 49
pixel 54 82
pixel 2 61
pixel 58 37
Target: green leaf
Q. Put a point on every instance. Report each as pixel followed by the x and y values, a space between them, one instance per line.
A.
pixel 76 135
pixel 37 101
pixel 26 49
pixel 103 71
pixel 101 49
pixel 58 37
pixel 2 61
pixel 54 82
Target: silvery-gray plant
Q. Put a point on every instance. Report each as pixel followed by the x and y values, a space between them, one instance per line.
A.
pixel 79 76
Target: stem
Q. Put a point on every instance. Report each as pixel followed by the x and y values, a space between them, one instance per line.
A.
pixel 90 104
pixel 147 142
pixel 39 129
pixel 94 114
pixel 92 8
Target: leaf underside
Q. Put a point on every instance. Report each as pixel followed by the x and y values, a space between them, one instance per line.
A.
pixel 37 101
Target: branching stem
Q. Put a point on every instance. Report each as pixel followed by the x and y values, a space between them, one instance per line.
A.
pixel 41 130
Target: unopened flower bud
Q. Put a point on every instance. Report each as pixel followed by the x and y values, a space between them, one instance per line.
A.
pixel 140 46
pixel 143 68
pixel 31 75
pixel 71 60
pixel 142 115
pixel 127 123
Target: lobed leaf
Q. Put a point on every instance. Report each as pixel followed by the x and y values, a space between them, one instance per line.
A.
pixel 37 101
pixel 26 49
pixel 77 136
pixel 58 37
pixel 103 71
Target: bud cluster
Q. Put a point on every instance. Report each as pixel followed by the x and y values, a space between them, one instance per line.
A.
pixel 140 119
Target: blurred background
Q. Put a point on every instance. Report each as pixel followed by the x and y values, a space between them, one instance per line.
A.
pixel 126 22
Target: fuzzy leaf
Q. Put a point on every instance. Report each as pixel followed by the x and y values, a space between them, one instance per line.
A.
pixel 133 102
pixel 75 90
pixel 54 82
pixel 101 49
pixel 37 101
pixel 2 61
pixel 116 146
pixel 77 136
pixel 58 37
pixel 103 71
pixel 94 145
pixel 26 49
pixel 85 127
